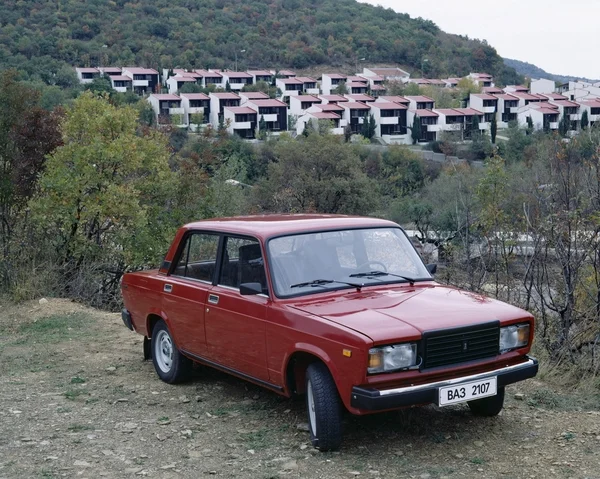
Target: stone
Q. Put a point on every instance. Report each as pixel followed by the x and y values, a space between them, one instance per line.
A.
pixel 519 396
pixel 478 443
pixel 81 464
pixel 303 427
pixel 290 466
pixel 43 301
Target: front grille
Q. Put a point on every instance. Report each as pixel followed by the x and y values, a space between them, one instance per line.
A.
pixel 447 347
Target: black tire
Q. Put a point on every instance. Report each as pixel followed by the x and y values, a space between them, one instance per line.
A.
pixel 322 398
pixel 171 366
pixel 490 406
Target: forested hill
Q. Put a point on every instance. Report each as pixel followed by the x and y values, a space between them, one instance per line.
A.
pixel 532 71
pixel 40 36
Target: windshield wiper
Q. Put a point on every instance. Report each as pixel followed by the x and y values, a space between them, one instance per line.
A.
pixel 382 273
pixel 321 282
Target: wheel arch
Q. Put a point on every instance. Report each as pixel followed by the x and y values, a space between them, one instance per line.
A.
pixel 298 362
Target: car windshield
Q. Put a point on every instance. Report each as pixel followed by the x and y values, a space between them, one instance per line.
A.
pixel 319 261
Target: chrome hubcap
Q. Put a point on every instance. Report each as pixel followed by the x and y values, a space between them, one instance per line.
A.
pixel 164 351
pixel 312 417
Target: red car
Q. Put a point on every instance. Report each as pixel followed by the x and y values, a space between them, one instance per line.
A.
pixel 339 308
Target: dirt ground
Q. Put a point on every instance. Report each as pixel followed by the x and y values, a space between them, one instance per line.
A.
pixel 78 400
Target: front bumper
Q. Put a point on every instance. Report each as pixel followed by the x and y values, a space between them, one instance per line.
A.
pixel 126 317
pixel 369 399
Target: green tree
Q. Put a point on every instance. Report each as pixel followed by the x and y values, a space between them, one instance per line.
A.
pixel 340 89
pixel 227 86
pixel 584 120
pixel 369 127
pixel 100 85
pixel 262 128
pixel 494 127
pixel 563 126
pixel 415 131
pixel 529 125
pixel 347 133
pixel 318 173
pixel 103 196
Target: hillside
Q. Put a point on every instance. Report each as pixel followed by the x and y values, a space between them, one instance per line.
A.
pixel 532 71
pixel 41 36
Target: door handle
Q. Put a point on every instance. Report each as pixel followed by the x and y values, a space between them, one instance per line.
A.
pixel 213 299
pixel 168 288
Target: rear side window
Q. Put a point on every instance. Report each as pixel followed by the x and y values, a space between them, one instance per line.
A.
pixel 198 257
pixel 242 263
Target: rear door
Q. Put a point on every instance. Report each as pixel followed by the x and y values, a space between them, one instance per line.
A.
pixel 186 289
pixel 236 324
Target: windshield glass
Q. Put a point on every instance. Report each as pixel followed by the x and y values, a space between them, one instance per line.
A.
pixel 315 262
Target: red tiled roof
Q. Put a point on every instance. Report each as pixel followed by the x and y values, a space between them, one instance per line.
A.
pixel 226 96
pixel 386 72
pixel 421 113
pixel 324 115
pixel 260 73
pixel 420 99
pixel 468 111
pixel 87 70
pixel 355 105
pixel 237 75
pixel 120 78
pixel 449 112
pixel 206 73
pixel 564 103
pixel 506 96
pixel 524 96
pixel 394 99
pixel 355 84
pixel 290 81
pixel 335 76
pixel 287 72
pixel 307 98
pixel 357 78
pixel 377 88
pixel 329 107
pixel 166 96
pixel 385 105
pixel 554 96
pixel 184 79
pixel 111 69
pixel 306 79
pixel 269 102
pixel 333 97
pixel 360 97
pixel 141 71
pixel 240 109
pixel 492 89
pixel 195 96
pixel 254 95
pixel 547 111
pixel 485 96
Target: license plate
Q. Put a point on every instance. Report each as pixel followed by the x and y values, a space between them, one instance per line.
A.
pixel 463 392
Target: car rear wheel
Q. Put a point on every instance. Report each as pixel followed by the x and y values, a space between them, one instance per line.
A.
pixel 171 366
pixel 490 406
pixel 323 408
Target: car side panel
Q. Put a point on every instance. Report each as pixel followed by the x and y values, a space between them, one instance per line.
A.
pixel 289 331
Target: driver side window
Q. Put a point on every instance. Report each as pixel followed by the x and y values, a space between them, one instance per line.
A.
pixel 242 263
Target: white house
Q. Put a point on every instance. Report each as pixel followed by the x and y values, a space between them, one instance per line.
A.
pixel 486 103
pixel 330 81
pixel 87 75
pixel 252 95
pixel 289 86
pixel 218 102
pixel 355 114
pixel 543 115
pixel 240 120
pixel 144 80
pixel 121 83
pixel 391 121
pixel 542 85
pixel 333 98
pixel 309 85
pixel 420 102
pixel 593 110
pixel 167 109
pixel 481 79
pixel 195 103
pixel 299 104
pixel 273 112
pixel 261 75
pixel 388 74
pixel 175 83
pixel 236 80
pixel 507 109
pixel 428 121
pixel 315 116
pixel 362 97
pixel 211 77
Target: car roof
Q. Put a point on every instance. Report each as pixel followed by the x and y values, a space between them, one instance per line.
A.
pixel 266 226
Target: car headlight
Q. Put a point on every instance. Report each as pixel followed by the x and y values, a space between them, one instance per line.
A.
pixel 392 358
pixel 513 337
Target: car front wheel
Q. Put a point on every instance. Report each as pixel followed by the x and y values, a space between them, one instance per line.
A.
pixel 171 366
pixel 490 406
pixel 323 407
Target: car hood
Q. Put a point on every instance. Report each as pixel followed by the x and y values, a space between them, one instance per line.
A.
pixel 404 312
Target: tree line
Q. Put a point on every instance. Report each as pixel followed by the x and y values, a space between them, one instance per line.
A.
pixel 92 190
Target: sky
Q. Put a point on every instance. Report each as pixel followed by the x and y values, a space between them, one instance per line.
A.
pixel 561 37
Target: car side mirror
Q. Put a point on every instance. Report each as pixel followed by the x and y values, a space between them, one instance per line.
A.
pixel 249 289
pixel 432 268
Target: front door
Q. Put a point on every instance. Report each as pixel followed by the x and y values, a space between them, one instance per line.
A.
pixel 236 324
pixel 186 291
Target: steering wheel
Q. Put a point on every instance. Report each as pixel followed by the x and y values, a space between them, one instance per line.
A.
pixel 368 263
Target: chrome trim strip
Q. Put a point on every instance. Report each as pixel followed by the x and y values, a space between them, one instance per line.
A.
pixel 449 382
